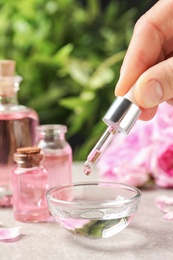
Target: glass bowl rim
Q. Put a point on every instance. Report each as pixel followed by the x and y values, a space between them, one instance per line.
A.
pixel 133 199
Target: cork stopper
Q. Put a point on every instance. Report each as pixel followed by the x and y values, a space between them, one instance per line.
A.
pixel 7 68
pixel 28 150
pixel 27 157
pixel 9 83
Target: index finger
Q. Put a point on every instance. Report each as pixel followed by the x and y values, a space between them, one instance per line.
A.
pixel 151 31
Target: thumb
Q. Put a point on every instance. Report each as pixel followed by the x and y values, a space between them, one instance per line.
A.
pixel 155 85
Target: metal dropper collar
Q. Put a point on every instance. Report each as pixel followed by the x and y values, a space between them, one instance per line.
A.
pixel 122 115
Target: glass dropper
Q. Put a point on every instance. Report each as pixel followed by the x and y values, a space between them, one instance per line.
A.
pixel 120 118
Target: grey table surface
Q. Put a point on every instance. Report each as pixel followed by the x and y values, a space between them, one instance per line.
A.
pixel 148 237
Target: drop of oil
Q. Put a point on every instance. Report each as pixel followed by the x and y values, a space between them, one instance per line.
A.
pixel 87 169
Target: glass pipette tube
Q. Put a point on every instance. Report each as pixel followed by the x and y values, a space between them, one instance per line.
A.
pixel 98 149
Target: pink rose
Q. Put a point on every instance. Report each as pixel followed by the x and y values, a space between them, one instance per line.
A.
pixel 162 165
pixel 163 125
pixel 145 153
pixel 165 161
pixel 164 116
pixel 126 158
pixel 161 162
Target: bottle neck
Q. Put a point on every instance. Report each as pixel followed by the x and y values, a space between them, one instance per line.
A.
pixel 9 99
pixel 51 133
pixel 9 87
pixel 53 137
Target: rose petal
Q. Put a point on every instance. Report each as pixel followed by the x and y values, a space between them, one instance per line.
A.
pixel 50 219
pixel 72 224
pixel 164 203
pixel 9 234
pixel 5 197
pixel 6 201
pixel 168 216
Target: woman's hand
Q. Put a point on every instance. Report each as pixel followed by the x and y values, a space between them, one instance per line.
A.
pixel 149 60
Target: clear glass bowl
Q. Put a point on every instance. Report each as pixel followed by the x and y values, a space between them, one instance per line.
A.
pixel 94 209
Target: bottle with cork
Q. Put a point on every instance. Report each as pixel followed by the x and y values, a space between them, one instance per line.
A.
pixel 17 124
pixel 30 183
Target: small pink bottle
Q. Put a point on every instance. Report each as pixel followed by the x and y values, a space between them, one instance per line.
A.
pixel 57 153
pixel 30 183
pixel 17 125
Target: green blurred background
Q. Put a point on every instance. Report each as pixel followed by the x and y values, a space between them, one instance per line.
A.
pixel 69 53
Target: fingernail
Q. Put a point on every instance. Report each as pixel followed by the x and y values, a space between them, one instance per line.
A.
pixel 152 93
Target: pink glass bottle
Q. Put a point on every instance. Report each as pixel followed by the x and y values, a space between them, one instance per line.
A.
pixel 17 124
pixel 57 153
pixel 30 183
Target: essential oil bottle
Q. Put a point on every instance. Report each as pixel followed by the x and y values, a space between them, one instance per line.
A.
pixel 30 183
pixel 17 123
pixel 57 153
